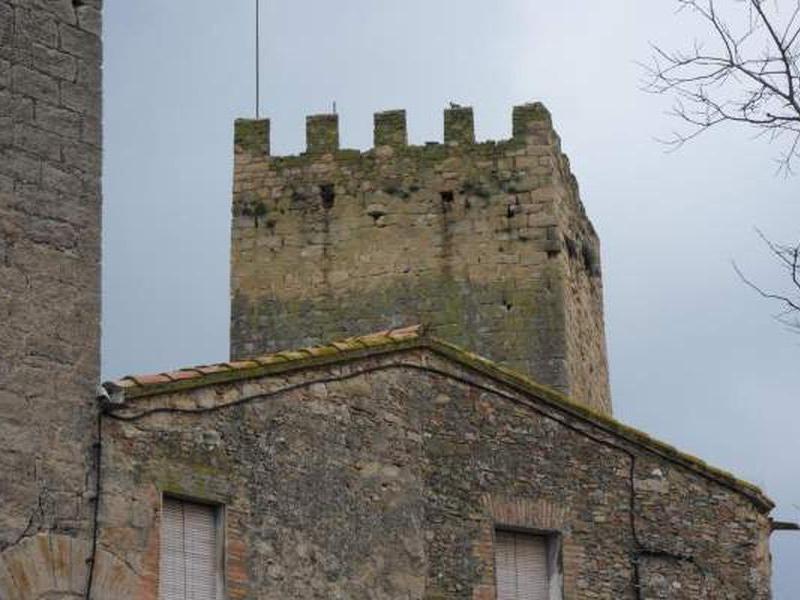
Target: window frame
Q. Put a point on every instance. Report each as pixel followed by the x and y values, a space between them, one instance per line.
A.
pixel 220 529
pixel 554 554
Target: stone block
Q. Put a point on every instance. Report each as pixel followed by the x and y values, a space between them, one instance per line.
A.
pixel 18 108
pixel 34 84
pixel 63 10
pixel 81 44
pixel 33 25
pixel 322 133
pixel 459 126
pixel 57 179
pixel 53 62
pixel 82 156
pixel 89 19
pixel 6 131
pixel 390 128
pixel 252 136
pixel 36 141
pixel 81 99
pixel 92 132
pixel 58 120
pixel 6 25
pixel 5 73
pixel 88 75
pixel 530 119
pixel 22 167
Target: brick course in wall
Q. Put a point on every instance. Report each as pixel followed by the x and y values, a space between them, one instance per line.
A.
pixel 488 243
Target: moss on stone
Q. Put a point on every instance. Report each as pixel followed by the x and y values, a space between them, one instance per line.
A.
pixel 252 135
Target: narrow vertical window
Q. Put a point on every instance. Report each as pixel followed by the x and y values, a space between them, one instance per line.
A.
pixel 525 566
pixel 191 556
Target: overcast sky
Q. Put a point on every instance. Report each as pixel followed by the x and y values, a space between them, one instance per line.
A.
pixel 696 359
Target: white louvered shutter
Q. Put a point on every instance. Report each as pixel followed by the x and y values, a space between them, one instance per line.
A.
pixel 504 566
pixel 172 573
pixel 189 556
pixel 521 566
pixel 201 552
pixel 531 557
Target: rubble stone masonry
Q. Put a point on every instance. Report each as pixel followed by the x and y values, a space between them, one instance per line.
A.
pixel 50 162
pixel 384 476
pixel 488 243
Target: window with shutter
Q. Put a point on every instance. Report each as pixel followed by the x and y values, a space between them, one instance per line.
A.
pixel 525 566
pixel 191 561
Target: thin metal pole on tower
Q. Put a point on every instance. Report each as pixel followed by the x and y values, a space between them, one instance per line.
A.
pixel 258 60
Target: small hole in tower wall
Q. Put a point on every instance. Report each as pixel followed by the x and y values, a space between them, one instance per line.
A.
pixel 591 261
pixel 328 195
pixel 586 254
pixel 572 249
pixel 447 199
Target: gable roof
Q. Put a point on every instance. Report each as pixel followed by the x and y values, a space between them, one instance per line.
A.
pixel 132 387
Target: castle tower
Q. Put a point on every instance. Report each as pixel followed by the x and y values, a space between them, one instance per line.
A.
pixel 50 157
pixel 486 243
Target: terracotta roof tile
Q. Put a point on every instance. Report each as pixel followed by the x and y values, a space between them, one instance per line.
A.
pixel 348 344
pixel 211 369
pixel 375 339
pixel 126 382
pixel 270 359
pixel 184 374
pixel 406 333
pixel 242 365
pixel 321 351
pixel 150 379
pixel 211 373
pixel 292 355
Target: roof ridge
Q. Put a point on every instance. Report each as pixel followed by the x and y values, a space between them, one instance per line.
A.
pixel 415 336
pixel 359 342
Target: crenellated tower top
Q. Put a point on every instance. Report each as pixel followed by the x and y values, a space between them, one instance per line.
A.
pixel 390 129
pixel 485 242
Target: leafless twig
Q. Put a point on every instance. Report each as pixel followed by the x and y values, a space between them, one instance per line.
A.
pixel 788 258
pixel 747 72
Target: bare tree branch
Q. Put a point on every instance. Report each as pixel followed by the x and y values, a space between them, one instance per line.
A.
pixel 746 73
pixel 788 258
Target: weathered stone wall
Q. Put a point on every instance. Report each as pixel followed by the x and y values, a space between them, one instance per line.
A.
pixel 375 479
pixel 486 243
pixel 50 57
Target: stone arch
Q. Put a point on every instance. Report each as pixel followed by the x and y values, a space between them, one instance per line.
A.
pixel 53 567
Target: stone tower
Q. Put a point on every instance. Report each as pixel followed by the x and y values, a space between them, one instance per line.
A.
pixel 50 72
pixel 486 243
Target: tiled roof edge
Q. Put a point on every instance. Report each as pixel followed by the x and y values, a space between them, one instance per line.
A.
pixel 140 386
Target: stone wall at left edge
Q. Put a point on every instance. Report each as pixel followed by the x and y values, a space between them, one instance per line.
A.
pixel 50 215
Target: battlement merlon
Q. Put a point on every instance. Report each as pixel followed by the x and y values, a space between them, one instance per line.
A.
pixel 391 129
pixel 531 124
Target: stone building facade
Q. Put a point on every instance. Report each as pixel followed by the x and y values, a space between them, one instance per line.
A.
pixel 385 466
pixel 396 465
pixel 487 243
